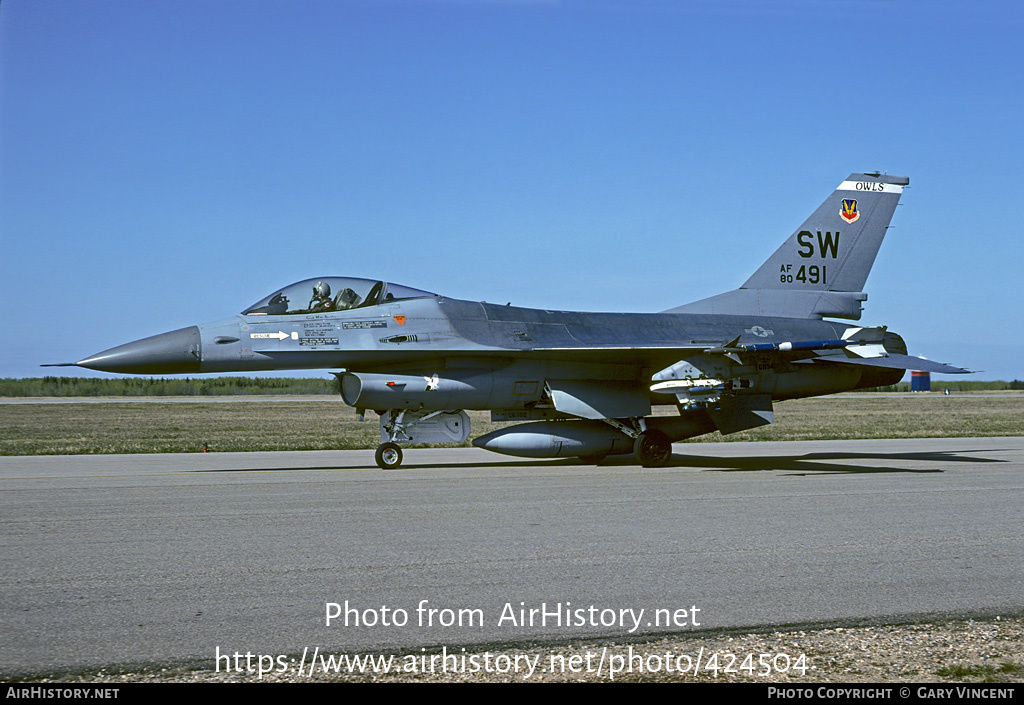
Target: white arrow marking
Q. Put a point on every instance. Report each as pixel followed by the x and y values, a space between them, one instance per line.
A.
pixel 280 335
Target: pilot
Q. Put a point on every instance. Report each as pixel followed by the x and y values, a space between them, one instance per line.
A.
pixel 321 300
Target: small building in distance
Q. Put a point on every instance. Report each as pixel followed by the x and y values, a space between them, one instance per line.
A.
pixel 920 381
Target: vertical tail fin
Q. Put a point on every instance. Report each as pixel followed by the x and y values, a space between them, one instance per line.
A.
pixel 821 269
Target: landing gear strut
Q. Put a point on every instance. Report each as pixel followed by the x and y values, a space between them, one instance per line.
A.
pixel 652 448
pixel 407 426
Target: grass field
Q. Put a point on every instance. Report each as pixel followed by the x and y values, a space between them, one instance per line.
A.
pixel 326 424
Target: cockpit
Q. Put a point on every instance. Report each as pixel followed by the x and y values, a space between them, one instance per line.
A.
pixel 328 294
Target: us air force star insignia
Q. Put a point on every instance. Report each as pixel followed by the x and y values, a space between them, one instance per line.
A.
pixel 759 331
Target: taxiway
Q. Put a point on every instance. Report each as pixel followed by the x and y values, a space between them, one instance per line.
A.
pixel 139 559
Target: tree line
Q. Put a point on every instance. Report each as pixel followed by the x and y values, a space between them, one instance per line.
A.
pixel 227 386
pixel 938 385
pixel 161 387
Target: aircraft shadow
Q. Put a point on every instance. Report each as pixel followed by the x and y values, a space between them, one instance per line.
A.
pixel 405 466
pixel 821 463
pixel 809 463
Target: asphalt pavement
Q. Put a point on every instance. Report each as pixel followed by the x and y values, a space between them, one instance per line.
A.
pixel 149 559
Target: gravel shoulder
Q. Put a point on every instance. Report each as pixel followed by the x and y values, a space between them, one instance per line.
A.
pixel 962 651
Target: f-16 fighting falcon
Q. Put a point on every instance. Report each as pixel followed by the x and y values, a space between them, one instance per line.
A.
pixel 582 384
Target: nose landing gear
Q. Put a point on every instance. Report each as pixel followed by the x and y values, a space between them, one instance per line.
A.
pixel 388 456
pixel 403 426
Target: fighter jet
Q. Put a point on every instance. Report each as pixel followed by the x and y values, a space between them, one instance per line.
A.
pixel 582 384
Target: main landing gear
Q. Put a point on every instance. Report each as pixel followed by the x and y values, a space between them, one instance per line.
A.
pixel 652 448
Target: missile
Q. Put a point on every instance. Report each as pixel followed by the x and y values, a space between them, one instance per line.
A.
pixel 798 345
pixel 689 386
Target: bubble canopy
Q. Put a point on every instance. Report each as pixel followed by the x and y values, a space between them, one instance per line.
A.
pixel 325 294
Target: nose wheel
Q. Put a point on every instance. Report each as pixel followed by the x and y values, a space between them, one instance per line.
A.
pixel 388 456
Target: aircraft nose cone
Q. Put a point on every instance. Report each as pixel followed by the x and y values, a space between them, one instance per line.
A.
pixel 177 351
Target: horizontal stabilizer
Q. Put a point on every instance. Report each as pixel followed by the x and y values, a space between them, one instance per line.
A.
pixel 897 362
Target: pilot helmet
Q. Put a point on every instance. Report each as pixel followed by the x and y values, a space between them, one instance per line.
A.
pixel 322 289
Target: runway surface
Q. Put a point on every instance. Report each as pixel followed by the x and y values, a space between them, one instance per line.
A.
pixel 138 559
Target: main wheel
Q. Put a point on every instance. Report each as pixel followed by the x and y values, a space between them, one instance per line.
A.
pixel 388 456
pixel 652 448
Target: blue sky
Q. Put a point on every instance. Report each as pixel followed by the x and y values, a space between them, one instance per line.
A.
pixel 166 164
